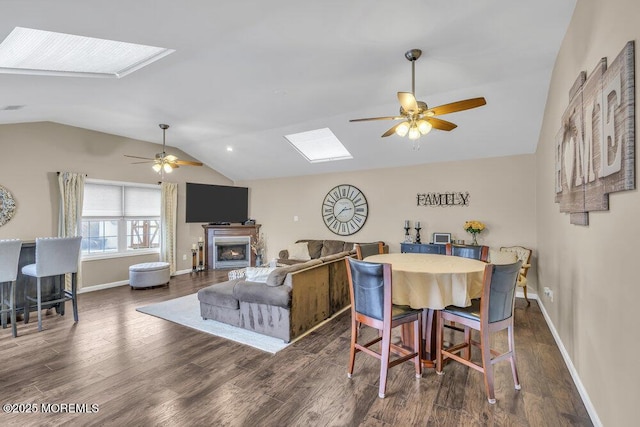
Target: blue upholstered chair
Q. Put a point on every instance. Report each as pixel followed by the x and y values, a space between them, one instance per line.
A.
pixel 55 256
pixel 364 250
pixel 466 251
pixel 9 258
pixel 370 291
pixel 489 314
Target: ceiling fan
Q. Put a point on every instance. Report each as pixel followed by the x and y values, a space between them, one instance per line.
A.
pixel 164 162
pixel 417 118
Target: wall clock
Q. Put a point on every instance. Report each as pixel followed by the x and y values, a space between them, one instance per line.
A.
pixel 7 206
pixel 344 210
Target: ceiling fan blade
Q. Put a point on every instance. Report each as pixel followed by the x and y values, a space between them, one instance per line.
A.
pixel 138 157
pixel 457 106
pixel 441 124
pixel 139 163
pixel 377 118
pixel 187 163
pixel 390 131
pixel 408 102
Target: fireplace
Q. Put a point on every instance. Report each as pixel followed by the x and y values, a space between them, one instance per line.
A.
pixel 231 252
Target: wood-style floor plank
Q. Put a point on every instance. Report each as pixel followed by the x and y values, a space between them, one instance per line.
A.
pixel 141 370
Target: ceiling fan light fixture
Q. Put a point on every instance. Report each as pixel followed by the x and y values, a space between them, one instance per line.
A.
pixel 402 129
pixel 424 127
pixel 414 133
pixel 167 168
pixel 157 167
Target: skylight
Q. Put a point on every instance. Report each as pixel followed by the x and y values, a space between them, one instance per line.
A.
pixel 319 145
pixel 28 51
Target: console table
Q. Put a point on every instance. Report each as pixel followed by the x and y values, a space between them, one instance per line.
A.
pixel 236 230
pixel 422 248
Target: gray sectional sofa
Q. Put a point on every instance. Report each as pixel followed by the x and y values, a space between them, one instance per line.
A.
pixel 294 298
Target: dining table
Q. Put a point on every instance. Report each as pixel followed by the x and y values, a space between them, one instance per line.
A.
pixel 431 282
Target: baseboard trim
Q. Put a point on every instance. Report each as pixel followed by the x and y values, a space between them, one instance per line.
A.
pixel 118 283
pixel 572 370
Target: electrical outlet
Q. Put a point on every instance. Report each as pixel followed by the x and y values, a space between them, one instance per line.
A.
pixel 184 257
pixel 549 293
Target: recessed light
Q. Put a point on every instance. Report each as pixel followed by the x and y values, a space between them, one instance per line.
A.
pixel 229 148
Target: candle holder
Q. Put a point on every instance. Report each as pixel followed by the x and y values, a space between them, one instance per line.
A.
pixel 407 236
pixel 200 256
pixel 194 260
pixel 418 234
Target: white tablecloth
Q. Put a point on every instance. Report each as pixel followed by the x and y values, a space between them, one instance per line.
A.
pixel 433 281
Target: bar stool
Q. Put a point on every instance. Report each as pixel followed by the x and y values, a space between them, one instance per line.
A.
pixel 55 256
pixel 9 257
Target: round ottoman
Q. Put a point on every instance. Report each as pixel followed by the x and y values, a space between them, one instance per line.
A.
pixel 148 274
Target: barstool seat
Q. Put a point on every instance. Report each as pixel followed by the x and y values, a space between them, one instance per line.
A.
pixel 55 256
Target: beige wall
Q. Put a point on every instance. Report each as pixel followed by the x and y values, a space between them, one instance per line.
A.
pixel 501 195
pixel 33 153
pixel 591 269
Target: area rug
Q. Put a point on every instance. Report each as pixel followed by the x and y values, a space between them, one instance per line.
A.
pixel 185 311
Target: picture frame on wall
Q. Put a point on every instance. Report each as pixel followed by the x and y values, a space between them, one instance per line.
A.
pixel 441 238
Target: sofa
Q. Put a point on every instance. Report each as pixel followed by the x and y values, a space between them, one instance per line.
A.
pixel 292 299
pixel 318 249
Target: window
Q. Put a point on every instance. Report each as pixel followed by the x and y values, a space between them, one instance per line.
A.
pixel 119 218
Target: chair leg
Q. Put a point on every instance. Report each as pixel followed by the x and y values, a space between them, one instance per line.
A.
pixel 352 351
pixel 74 295
pixel 27 305
pixel 466 352
pixel 439 343
pixel 512 359
pixel 3 315
pixel 417 344
pixel 524 288
pixel 487 366
pixel 385 351
pixel 39 299
pixel 12 299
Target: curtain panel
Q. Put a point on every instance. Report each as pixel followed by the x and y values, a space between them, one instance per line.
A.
pixel 71 187
pixel 168 223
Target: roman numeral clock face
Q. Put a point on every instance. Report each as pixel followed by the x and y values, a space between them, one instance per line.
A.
pixel 344 210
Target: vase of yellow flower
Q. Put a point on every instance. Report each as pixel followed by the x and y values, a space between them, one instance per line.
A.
pixel 475 228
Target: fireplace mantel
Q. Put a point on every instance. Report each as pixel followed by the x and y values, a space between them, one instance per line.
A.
pixel 211 231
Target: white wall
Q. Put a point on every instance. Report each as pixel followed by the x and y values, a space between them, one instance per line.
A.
pixel 501 195
pixel 592 269
pixel 33 153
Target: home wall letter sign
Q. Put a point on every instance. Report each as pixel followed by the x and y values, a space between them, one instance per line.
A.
pixel 595 148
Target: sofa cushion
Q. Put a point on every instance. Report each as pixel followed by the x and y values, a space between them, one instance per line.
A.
pixel 258 274
pixel 260 293
pixel 277 276
pixel 330 247
pixel 220 295
pixel 299 251
pixel 315 248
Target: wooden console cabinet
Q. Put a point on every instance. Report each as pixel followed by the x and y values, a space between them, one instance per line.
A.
pixel 211 231
pixel 422 248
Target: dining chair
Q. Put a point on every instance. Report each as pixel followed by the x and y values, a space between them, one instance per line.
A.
pixel 9 259
pixel 489 314
pixel 523 254
pixel 55 256
pixel 364 250
pixel 370 292
pixel 476 252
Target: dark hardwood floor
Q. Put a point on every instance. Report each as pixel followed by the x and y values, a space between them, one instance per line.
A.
pixel 139 370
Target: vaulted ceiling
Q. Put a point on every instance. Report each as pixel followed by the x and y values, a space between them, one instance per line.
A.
pixel 246 73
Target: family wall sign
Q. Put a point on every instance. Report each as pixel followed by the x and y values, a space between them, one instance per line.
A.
pixel 595 148
pixel 443 199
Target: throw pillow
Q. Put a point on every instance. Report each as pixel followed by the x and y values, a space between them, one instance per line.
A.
pixel 299 251
pixel 258 274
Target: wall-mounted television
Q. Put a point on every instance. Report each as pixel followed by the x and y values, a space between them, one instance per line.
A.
pixel 216 203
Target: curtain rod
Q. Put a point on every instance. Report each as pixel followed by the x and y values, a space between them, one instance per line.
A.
pixel 58 173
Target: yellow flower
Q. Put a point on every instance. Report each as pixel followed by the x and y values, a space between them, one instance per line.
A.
pixel 473 227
